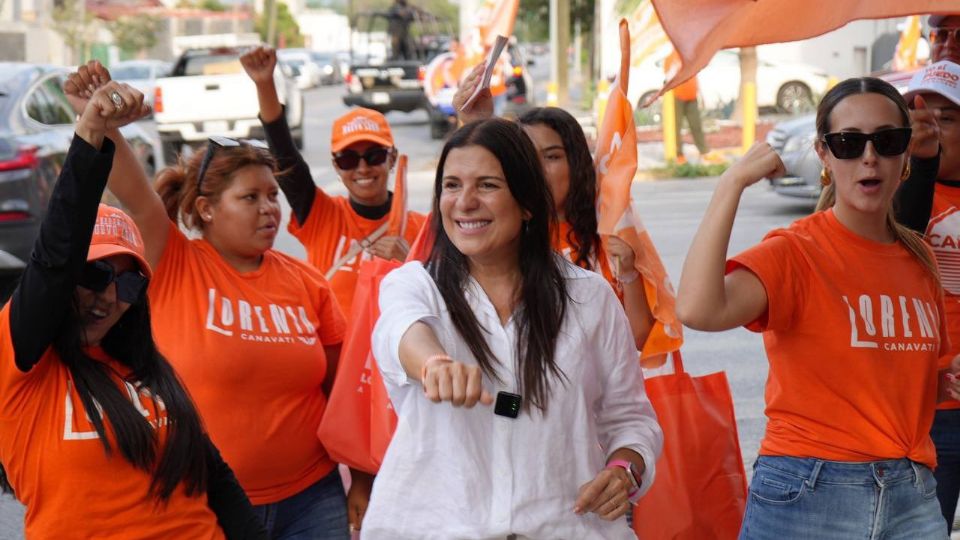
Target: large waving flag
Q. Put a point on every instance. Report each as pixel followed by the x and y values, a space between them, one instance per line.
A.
pixel 905 56
pixel 616 165
pixel 699 28
pixel 397 222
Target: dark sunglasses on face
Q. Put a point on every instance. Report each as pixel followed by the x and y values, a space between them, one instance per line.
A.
pixel 217 141
pixel 939 36
pixel 851 144
pixel 350 159
pixel 98 275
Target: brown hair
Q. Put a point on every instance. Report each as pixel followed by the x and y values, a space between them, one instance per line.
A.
pixel 828 197
pixel 177 184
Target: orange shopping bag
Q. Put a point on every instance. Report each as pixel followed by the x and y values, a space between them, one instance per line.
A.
pixel 701 488
pixel 359 420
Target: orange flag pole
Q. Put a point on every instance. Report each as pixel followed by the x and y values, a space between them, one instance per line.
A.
pixel 398 208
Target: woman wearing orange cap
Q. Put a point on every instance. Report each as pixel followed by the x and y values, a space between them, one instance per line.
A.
pixel 337 232
pixel 254 334
pixel 87 400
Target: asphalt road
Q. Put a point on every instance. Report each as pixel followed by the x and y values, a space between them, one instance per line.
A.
pixel 670 209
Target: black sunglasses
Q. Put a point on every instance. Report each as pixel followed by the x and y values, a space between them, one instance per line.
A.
pixel 939 36
pixel 350 159
pixel 98 275
pixel 217 141
pixel 886 142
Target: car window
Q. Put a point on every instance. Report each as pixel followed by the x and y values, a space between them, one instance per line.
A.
pixel 213 65
pixel 46 104
pixel 130 73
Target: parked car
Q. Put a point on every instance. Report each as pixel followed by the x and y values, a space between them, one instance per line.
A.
pixel 141 74
pixel 793 140
pixel 788 87
pixel 309 74
pixel 208 93
pixel 36 127
pixel 329 67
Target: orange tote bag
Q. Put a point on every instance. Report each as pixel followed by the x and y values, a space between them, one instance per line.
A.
pixel 700 490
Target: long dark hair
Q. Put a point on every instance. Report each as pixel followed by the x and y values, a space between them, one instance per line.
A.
pixel 828 197
pixel 580 208
pixel 130 341
pixel 542 296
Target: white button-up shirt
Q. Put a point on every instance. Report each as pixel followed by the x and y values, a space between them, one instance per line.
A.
pixel 456 473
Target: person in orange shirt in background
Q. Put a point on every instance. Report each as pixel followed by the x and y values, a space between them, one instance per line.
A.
pixel 86 400
pixel 686 105
pixel 254 334
pixel 337 232
pixel 851 310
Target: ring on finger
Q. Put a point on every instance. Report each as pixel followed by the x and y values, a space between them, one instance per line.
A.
pixel 117 99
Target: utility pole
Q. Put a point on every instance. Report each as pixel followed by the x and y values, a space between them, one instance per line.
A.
pixel 559 44
pixel 272 24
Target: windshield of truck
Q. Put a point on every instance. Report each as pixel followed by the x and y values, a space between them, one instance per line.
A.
pixel 219 64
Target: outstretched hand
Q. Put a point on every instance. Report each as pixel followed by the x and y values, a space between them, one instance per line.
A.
pixel 259 63
pixel 925 140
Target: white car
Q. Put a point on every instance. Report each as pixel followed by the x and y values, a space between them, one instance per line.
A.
pixel 308 73
pixel 141 74
pixel 786 86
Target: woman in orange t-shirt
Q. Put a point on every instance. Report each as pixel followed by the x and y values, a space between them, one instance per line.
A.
pixel 254 334
pixel 851 310
pixel 86 400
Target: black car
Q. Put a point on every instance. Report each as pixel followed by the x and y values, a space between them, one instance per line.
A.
pixel 36 127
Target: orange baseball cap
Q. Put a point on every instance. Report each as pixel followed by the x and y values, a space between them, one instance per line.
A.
pixel 116 234
pixel 360 125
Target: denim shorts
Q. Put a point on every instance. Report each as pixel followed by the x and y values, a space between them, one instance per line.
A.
pixel 799 498
pixel 316 513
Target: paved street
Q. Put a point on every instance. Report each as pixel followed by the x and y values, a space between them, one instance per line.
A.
pixel 670 209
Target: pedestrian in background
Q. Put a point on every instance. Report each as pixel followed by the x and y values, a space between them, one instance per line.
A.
pixel 686 107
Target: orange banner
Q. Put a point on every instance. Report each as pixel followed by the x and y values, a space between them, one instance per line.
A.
pixel 699 28
pixel 398 207
pixel 905 56
pixel 616 165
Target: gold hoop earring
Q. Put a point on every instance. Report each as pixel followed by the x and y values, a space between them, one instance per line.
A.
pixel 906 172
pixel 825 177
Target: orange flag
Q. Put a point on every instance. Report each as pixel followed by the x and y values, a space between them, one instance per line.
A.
pixel 398 207
pixel 423 245
pixel 699 28
pixel 905 56
pixel 616 164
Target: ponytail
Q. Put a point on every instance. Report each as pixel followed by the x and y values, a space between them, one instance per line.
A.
pixel 176 193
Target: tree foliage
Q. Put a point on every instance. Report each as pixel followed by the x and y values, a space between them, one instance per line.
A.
pixel 75 25
pixel 287 31
pixel 135 34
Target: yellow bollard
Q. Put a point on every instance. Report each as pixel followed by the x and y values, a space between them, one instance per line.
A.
pixel 603 94
pixel 749 115
pixel 552 99
pixel 668 112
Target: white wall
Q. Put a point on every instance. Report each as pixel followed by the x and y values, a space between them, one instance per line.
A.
pixel 325 30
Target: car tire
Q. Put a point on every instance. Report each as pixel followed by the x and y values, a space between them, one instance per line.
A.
pixel 795 97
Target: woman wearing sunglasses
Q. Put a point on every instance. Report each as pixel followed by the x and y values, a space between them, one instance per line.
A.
pixel 254 334
pixel 337 232
pixel 851 310
pixel 98 436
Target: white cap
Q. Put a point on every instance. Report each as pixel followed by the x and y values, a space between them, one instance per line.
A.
pixel 941 78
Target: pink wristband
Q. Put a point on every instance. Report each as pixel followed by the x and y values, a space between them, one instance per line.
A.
pixel 627 466
pixel 430 360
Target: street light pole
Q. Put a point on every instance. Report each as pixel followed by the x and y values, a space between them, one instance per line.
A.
pixel 558 93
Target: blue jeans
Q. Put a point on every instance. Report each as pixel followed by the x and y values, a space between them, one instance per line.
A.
pixel 799 498
pixel 318 512
pixel 946 437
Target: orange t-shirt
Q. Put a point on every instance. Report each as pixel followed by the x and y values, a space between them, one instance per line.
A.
pixel 853 333
pixel 598 260
pixel 688 89
pixel 943 234
pixel 249 347
pixel 331 229
pixel 57 466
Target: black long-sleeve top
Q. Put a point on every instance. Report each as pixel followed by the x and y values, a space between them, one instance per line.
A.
pixel 914 199
pixel 41 301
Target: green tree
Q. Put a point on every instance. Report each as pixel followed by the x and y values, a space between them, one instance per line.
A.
pixel 75 25
pixel 135 34
pixel 287 30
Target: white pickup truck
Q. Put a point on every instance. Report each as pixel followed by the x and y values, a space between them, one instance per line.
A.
pixel 208 93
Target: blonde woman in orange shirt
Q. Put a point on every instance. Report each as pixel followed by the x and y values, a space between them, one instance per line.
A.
pixel 851 311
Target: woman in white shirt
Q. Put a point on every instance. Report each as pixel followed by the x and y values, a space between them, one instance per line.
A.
pixel 514 374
